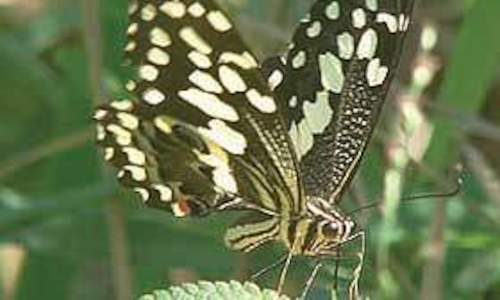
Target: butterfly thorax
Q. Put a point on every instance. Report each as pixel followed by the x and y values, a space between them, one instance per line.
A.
pixel 319 231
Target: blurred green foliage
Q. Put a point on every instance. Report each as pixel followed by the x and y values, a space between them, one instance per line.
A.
pixel 55 204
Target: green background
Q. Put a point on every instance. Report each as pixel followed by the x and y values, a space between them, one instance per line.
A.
pixel 69 232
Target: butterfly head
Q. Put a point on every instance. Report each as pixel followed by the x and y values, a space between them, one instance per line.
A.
pixel 329 229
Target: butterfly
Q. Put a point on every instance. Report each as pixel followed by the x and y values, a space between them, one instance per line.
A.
pixel 211 129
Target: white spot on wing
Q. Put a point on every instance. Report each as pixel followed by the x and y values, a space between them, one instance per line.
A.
pixel 193 39
pixel 143 193
pixel 319 113
pixel 100 114
pixel 219 132
pixel 218 21
pixel 137 173
pixel 122 137
pixel 164 191
pixel 132 29
pixel 294 134
pixel 224 179
pixel 301 137
pixel 367 45
pixel 158 56
pixel 231 80
pixel 206 82
pixel 153 96
pixel 100 132
pixel 135 156
pixel 162 125
pixel 275 79
pixel 372 5
pixel 375 73
pixel 130 46
pixel 200 60
pixel 391 21
pixel 406 24
pixel 160 37
pixel 174 9
pixel 148 72
pixel 332 76
pixel 130 85
pixel 245 60
pixel 299 60
pixel 264 103
pixel 402 21
pixel 133 7
pixel 222 174
pixel 127 120
pixel 109 153
pixel 122 105
pixel 332 11
pixel 178 210
pixel 148 12
pixel 345 42
pixel 358 18
pixel 209 104
pixel 196 10
pixel 314 29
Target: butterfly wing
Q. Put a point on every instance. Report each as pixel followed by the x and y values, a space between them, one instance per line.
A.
pixel 332 83
pixel 205 129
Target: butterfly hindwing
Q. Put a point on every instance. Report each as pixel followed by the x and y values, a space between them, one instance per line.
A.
pixel 332 82
pixel 142 146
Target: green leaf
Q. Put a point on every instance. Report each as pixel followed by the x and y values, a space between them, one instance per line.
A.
pixel 214 290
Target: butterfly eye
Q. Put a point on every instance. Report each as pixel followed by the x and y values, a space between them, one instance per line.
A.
pixel 331 229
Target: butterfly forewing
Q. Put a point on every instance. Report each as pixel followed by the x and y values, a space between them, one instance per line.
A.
pixel 207 120
pixel 332 82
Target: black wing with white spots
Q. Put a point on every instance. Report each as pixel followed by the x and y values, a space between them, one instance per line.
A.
pixel 332 82
pixel 204 129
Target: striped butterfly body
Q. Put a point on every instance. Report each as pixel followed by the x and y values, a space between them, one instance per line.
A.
pixel 211 130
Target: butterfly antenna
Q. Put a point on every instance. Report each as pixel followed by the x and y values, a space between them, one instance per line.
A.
pixel 457 189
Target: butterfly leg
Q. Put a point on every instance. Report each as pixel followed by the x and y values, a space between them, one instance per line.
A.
pixel 310 280
pixel 281 282
pixel 337 266
pixel 354 285
pixel 336 271
pixel 277 263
